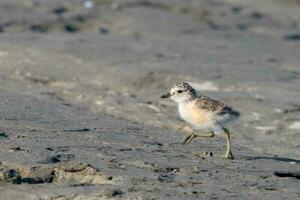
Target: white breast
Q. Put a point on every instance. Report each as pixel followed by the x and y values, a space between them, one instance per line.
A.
pixel 198 118
pixel 185 114
pixel 182 111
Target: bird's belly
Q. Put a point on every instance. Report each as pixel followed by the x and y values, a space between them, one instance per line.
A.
pixel 198 118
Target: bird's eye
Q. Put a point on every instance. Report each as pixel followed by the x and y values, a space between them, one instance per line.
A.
pixel 179 91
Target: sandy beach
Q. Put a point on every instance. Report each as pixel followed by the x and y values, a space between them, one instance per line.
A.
pixel 80 113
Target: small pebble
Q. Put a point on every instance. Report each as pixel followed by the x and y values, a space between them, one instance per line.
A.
pixel 88 4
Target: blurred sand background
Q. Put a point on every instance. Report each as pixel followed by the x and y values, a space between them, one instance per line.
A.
pixel 80 114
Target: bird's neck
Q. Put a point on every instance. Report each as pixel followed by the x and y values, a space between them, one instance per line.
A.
pixel 187 101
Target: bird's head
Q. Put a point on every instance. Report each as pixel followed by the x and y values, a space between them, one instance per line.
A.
pixel 181 92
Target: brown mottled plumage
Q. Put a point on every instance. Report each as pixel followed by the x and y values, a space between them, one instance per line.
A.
pixel 209 104
pixel 202 113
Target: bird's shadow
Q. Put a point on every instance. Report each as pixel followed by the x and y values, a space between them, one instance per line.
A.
pixel 275 158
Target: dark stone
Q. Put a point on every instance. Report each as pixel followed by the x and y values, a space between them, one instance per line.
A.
pixel 294 174
pixel 103 30
pixel 242 27
pixel 59 158
pixel 1 29
pixel 11 176
pixel 37 28
pixel 60 10
pixel 236 9
pixel 214 26
pixel 166 178
pixel 286 111
pixel 53 159
pixel 78 130
pixel 256 15
pixel 167 170
pixel 70 28
pixel 112 193
pixel 17 149
pixel 31 181
pixel 3 135
pixel 292 37
pixel 80 18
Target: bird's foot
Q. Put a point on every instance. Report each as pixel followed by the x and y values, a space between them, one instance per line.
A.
pixel 203 155
pixel 228 156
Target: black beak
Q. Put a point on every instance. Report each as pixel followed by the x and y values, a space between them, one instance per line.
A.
pixel 166 95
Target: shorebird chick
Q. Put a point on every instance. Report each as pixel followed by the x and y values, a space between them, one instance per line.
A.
pixel 203 114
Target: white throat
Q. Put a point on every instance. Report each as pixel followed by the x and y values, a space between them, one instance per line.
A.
pixel 182 109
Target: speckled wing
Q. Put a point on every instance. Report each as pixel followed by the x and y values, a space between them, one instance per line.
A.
pixel 215 106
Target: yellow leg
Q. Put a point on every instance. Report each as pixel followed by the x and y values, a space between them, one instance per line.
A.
pixel 189 137
pixel 206 153
pixel 228 154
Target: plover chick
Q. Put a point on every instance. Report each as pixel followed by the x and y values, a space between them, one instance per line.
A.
pixel 204 114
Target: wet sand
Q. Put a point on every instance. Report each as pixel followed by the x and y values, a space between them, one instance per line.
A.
pixel 80 113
